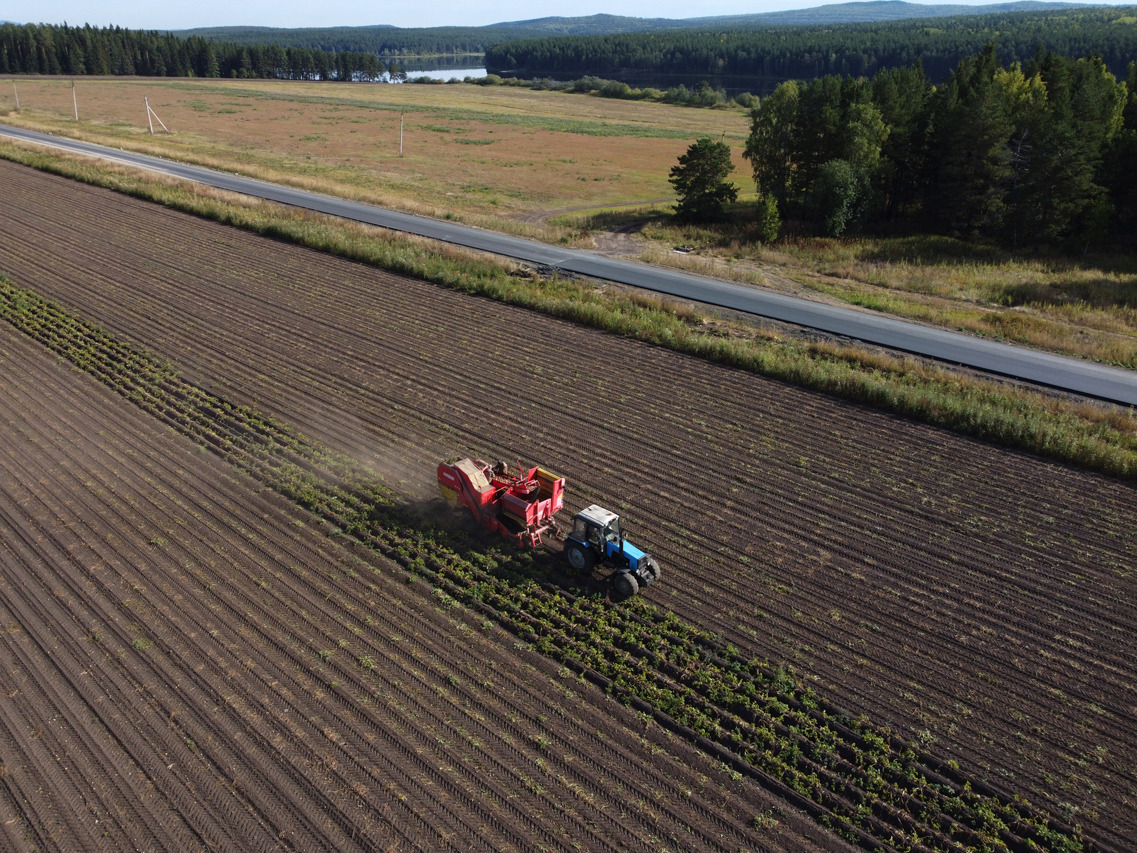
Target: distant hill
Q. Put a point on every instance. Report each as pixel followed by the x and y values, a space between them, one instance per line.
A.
pixel 768 55
pixel 837 13
pixel 384 39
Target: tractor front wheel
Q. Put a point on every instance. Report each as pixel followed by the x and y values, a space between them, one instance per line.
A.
pixel 580 558
pixel 625 585
pixel 649 574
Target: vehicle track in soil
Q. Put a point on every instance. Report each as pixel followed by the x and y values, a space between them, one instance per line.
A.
pixel 995 578
pixel 102 730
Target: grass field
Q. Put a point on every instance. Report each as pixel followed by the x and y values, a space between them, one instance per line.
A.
pixel 1080 306
pixel 492 156
pixel 573 168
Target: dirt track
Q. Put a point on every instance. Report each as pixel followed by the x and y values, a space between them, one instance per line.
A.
pixel 978 600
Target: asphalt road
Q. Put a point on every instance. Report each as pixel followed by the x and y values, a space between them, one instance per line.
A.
pixel 1066 374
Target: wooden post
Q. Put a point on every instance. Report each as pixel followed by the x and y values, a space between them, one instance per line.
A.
pixel 75 100
pixel 153 116
pixel 17 91
pixel 400 134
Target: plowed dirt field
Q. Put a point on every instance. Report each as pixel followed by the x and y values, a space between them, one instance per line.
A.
pixel 181 667
pixel 976 600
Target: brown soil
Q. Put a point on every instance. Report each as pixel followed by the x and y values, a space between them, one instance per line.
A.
pixel 977 600
pixel 162 629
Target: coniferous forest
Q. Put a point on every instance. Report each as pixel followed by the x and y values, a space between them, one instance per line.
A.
pixel 47 49
pixel 1038 153
pixel 802 53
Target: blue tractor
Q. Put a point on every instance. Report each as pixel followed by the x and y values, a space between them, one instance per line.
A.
pixel 596 539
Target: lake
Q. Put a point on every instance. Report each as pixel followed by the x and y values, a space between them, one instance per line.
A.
pixel 442 67
pixel 445 67
pixel 469 66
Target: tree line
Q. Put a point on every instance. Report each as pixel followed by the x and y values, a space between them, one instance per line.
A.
pixel 387 40
pixel 1042 152
pixel 702 95
pixel 381 40
pixel 429 41
pixel 806 52
pixel 49 49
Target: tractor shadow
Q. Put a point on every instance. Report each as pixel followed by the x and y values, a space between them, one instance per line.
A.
pixel 433 521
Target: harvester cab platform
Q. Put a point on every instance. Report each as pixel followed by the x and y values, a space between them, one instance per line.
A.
pixel 596 538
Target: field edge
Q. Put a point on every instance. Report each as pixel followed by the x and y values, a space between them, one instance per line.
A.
pixel 1088 434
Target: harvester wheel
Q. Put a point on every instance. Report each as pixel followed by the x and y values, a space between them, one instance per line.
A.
pixel 581 559
pixel 625 584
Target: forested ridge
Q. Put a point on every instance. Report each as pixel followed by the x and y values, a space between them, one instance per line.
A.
pixel 801 53
pixel 48 49
pixel 427 41
pixel 380 40
pixel 1031 154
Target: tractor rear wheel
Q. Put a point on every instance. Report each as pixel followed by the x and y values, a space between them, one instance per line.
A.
pixel 580 558
pixel 625 584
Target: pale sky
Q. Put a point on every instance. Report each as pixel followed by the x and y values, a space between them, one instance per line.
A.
pixel 327 13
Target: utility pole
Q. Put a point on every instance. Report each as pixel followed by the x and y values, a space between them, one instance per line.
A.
pixel 75 100
pixel 17 91
pixel 151 115
pixel 400 134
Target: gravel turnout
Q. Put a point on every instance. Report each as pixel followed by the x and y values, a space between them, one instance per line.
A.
pixel 966 606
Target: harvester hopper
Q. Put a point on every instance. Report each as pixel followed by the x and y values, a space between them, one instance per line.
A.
pixel 519 503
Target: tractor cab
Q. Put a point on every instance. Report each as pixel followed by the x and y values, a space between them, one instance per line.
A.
pixel 598 527
pixel 597 538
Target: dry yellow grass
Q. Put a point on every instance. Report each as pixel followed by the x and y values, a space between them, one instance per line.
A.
pixel 491 155
pixel 1081 306
pixel 503 158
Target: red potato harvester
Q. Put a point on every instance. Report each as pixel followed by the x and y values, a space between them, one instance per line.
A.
pixel 518 503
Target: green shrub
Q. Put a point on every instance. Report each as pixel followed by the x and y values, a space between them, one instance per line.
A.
pixel 838 196
pixel 767 222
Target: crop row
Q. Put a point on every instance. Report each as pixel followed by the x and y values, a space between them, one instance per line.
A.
pixel 121 516
pixel 757 719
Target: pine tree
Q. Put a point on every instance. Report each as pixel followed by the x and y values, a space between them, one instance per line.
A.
pixel 1119 166
pixel 902 95
pixel 1083 114
pixel 700 181
pixel 212 69
pixel 973 128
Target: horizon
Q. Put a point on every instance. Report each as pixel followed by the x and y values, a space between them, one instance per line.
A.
pixel 290 14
